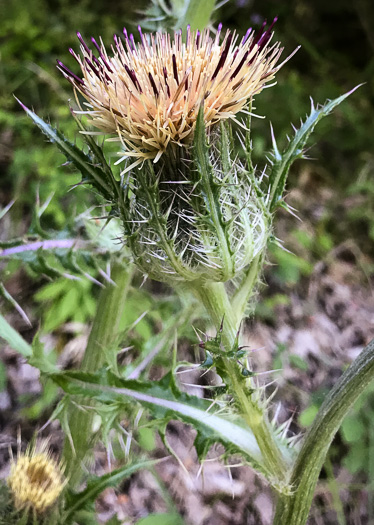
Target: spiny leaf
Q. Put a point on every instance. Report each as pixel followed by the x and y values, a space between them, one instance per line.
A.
pixel 294 150
pixel 167 402
pixel 76 502
pixel 65 253
pixel 91 174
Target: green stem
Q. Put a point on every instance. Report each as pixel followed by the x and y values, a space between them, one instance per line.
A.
pixel 102 339
pixel 294 509
pixel 218 306
pixel 243 294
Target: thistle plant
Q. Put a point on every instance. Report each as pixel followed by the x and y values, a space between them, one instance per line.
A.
pixel 197 214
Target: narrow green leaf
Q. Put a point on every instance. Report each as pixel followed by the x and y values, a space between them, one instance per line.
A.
pixel 197 14
pixel 295 149
pixel 210 192
pixel 93 175
pixel 13 338
pixel 8 297
pixel 166 402
pixel 76 502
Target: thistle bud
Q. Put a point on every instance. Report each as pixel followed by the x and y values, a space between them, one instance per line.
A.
pixel 197 216
pixel 36 480
pixel 189 210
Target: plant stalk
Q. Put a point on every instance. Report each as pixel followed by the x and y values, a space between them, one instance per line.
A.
pixel 245 290
pixel 102 340
pixel 294 509
pixel 218 306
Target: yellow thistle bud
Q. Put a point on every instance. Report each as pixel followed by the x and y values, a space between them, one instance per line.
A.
pixel 36 480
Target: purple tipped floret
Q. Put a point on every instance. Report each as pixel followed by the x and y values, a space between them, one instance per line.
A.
pixel 133 77
pixel 266 36
pixel 92 67
pixel 101 54
pixel 263 37
pixel 69 73
pixel 126 37
pixel 166 81
pixel 245 37
pixel 259 35
pixel 235 55
pixel 116 40
pixel 86 48
pixel 273 23
pixel 141 34
pixel 197 38
pixel 175 69
pixel 153 84
pixel 240 65
pixel 222 60
pixel 132 41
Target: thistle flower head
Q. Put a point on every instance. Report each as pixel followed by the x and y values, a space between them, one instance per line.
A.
pixel 197 212
pixel 36 479
pixel 149 93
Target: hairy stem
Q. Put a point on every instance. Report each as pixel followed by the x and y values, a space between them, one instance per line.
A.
pixel 218 306
pixel 101 341
pixel 245 290
pixel 294 509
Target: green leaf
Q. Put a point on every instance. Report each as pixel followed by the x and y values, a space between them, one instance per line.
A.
pixel 298 362
pixel 295 149
pixel 210 192
pixel 146 438
pixel 13 338
pixel 353 429
pixel 308 415
pixel 77 502
pixel 167 402
pixel 91 174
pixel 161 519
pixel 196 14
pixel 357 459
pixel 45 362
pixel 3 376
